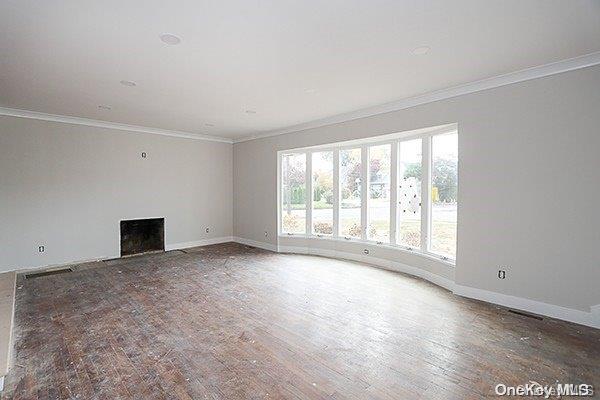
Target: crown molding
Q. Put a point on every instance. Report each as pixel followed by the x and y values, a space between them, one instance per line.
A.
pixel 558 67
pixel 13 112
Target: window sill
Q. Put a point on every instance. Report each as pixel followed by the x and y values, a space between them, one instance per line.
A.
pixel 406 250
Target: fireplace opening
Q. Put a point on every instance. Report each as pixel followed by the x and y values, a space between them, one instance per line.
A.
pixel 142 236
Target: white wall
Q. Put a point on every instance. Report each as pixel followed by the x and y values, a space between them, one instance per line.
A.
pixel 529 185
pixel 67 187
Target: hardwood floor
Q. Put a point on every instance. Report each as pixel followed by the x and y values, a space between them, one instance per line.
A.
pixel 232 322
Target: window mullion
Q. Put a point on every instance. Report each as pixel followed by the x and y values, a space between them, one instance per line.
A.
pixel 309 194
pixel 336 192
pixel 364 187
pixel 394 162
pixel 426 194
pixel 279 194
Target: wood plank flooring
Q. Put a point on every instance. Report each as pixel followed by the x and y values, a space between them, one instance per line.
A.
pixel 232 322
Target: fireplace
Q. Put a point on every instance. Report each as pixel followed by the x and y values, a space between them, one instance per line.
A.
pixel 142 236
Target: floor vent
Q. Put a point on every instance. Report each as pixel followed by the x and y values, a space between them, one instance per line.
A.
pixel 524 314
pixel 46 273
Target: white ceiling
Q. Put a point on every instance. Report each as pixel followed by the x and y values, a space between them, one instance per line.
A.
pixel 290 61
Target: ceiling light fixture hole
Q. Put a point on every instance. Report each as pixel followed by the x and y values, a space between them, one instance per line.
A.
pixel 170 39
pixel 419 51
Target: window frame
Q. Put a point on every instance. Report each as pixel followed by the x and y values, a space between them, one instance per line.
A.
pixel 425 191
pixel 394 141
pixel 393 189
pixel 362 197
pixel 308 217
pixel 333 160
pixel 430 205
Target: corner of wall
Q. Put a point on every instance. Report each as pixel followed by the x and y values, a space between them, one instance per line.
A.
pixel 254 243
pixel 7 311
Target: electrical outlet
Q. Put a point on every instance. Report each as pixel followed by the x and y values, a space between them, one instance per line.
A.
pixel 501 274
pixel 207 230
pixel 41 249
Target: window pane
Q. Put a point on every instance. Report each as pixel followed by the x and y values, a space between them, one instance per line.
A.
pixel 350 186
pixel 322 214
pixel 409 193
pixel 379 193
pixel 444 185
pixel 293 195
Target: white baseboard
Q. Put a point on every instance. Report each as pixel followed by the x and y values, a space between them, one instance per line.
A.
pixel 168 247
pixel 196 243
pixel 300 250
pixel 254 243
pixel 436 279
pixel 591 318
pixel 45 267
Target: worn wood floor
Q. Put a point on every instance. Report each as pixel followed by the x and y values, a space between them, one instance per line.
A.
pixel 232 322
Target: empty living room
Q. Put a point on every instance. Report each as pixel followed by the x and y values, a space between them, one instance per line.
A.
pixel 260 199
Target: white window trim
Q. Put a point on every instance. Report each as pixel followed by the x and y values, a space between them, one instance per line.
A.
pixel 393 193
pixel 310 223
pixel 394 140
pixel 425 193
pixel 363 215
pixel 394 164
pixel 308 181
pixel 336 193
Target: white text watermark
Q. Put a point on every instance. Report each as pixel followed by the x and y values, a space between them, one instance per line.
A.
pixel 546 391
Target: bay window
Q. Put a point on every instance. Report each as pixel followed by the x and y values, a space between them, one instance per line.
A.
pixel 398 190
pixel 379 193
pixel 409 193
pixel 444 188
pixel 350 193
pixel 323 193
pixel 293 193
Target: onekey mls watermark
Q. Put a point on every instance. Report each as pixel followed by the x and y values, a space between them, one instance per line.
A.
pixel 546 391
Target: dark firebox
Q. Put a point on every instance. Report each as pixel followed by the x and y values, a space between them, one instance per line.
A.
pixel 142 236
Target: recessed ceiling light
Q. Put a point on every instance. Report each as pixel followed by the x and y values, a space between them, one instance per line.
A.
pixel 207 124
pixel 310 91
pixel 250 112
pixel 169 38
pixel 104 107
pixel 419 51
pixel 128 83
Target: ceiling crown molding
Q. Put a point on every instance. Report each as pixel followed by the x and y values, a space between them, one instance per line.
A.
pixel 13 112
pixel 571 64
pixel 558 67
